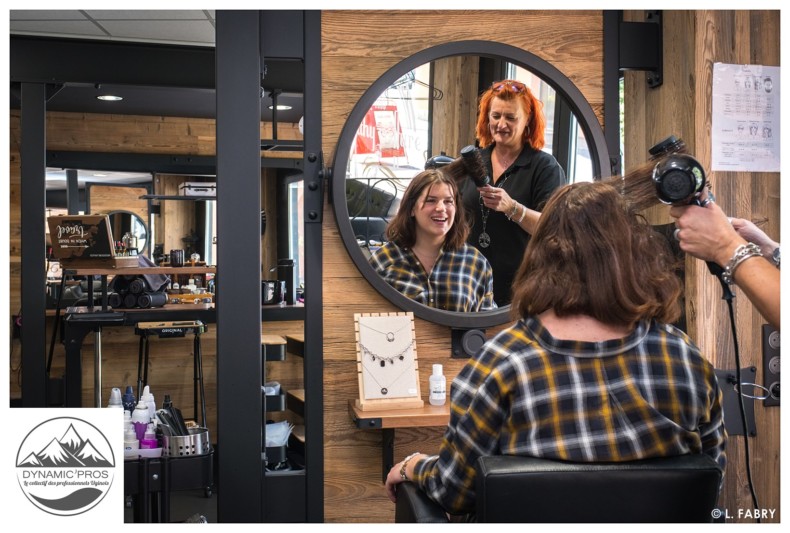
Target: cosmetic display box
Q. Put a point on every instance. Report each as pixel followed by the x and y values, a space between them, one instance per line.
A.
pixel 197 188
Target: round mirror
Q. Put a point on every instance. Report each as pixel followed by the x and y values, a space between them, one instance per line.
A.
pixel 130 229
pixel 426 106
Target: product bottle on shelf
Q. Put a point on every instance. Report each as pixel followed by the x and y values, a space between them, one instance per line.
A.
pixel 115 398
pixel 140 419
pixel 148 398
pixel 149 439
pixel 128 399
pixel 437 384
pixel 130 441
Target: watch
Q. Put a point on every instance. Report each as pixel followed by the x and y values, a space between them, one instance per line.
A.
pixel 775 257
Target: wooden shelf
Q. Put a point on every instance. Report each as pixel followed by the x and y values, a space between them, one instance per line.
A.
pixel 134 271
pixel 176 197
pixel 295 401
pixel 427 416
pixel 295 344
pixel 273 347
pixel 298 433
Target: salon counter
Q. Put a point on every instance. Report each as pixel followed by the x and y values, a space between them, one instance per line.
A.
pixel 388 420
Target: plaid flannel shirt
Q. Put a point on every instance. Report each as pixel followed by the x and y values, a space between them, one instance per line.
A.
pixel 649 394
pixel 461 280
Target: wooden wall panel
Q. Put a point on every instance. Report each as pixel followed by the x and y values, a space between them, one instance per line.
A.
pixel 352 463
pixel 693 41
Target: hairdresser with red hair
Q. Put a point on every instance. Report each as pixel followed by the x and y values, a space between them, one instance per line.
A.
pixel 510 132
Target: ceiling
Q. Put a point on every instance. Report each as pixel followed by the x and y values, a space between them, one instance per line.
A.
pixel 177 28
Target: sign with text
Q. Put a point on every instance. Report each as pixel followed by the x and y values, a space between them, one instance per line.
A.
pixel 380 132
pixel 81 236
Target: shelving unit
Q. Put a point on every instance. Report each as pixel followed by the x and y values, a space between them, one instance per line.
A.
pixel 287 484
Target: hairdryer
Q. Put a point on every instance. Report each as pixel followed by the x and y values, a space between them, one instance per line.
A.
pixel 679 179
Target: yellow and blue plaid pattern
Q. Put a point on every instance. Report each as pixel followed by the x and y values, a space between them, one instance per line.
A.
pixel 461 280
pixel 650 394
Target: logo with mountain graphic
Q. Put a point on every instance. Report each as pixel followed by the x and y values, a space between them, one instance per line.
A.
pixel 65 466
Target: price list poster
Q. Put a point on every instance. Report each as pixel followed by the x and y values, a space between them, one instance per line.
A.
pixel 746 118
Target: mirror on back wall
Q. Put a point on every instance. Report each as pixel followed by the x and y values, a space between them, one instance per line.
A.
pixel 427 106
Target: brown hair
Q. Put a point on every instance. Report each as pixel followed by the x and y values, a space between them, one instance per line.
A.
pixel 592 255
pixel 512 90
pixel 402 229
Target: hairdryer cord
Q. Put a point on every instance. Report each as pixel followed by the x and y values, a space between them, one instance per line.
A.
pixel 728 296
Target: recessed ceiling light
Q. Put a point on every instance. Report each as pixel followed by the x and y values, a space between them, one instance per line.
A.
pixel 109 98
pixel 282 107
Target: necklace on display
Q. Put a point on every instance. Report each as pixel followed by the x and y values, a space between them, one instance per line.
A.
pixel 485 239
pixel 383 360
pixel 389 335
pixel 385 389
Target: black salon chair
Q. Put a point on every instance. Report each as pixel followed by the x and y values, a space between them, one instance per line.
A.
pixel 679 489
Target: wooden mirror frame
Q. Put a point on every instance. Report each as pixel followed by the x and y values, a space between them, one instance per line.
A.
pixel 557 80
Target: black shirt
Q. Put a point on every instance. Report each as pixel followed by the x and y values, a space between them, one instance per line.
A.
pixel 530 180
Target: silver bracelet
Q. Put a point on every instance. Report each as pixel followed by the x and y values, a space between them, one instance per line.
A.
pixel 406 462
pixel 741 254
pixel 513 212
pixel 523 213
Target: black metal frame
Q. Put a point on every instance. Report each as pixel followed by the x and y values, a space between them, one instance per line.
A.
pixel 239 409
pixel 556 79
pixel 315 174
pixel 628 46
pixel 33 199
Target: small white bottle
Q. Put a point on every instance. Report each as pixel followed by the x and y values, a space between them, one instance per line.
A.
pixel 130 441
pixel 437 385
pixel 115 398
pixel 148 398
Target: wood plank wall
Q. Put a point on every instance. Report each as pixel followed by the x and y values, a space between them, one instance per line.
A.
pixel 358 47
pixel 693 41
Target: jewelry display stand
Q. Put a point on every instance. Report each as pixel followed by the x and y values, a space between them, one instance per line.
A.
pixel 387 365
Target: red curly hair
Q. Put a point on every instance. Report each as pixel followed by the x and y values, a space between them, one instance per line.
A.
pixel 509 90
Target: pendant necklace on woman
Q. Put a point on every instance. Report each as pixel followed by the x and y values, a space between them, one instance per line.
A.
pixel 485 239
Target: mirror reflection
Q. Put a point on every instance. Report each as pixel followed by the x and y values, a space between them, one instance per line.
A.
pixel 130 231
pixel 530 143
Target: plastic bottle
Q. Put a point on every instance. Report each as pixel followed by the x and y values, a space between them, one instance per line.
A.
pixel 130 441
pixel 437 385
pixel 149 438
pixel 148 398
pixel 115 398
pixel 128 399
pixel 127 420
pixel 140 419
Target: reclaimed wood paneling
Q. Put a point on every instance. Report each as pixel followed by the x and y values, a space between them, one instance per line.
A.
pixel 352 463
pixel 693 42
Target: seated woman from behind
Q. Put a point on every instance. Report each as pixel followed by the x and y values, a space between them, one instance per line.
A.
pixel 427 258
pixel 591 371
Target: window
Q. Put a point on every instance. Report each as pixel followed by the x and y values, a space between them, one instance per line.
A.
pixel 295 197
